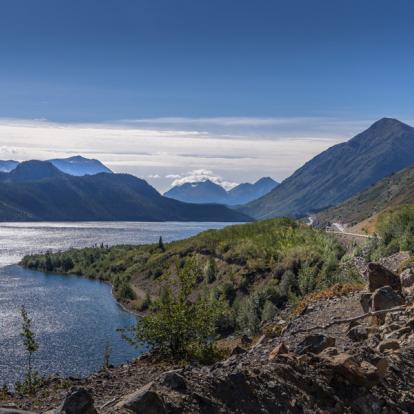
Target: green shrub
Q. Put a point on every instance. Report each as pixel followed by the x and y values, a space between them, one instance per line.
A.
pixel 180 327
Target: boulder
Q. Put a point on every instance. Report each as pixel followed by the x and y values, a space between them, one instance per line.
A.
pixel 358 333
pixel 143 401
pixel 407 278
pixel 386 298
pixel 281 349
pixel 315 344
pixel 174 380
pixel 366 301
pixel 388 345
pixel 379 276
pixel 346 366
pixel 78 401
pixel 237 350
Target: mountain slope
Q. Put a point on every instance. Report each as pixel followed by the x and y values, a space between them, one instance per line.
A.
pixel 246 192
pixel 80 166
pixel 209 192
pixel 36 190
pixel 198 192
pixel 392 191
pixel 340 172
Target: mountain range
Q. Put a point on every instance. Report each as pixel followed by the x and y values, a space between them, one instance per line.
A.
pixel 76 165
pixel 340 172
pixel 209 192
pixel 38 191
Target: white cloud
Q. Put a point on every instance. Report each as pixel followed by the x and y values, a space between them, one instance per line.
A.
pixel 236 149
pixel 203 175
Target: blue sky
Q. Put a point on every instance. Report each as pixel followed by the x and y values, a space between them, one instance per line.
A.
pixel 102 62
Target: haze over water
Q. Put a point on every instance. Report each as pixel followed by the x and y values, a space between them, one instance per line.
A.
pixel 75 319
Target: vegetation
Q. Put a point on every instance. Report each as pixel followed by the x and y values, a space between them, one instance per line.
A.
pixel 178 326
pixel 391 192
pixel 254 270
pixel 31 380
pixel 395 229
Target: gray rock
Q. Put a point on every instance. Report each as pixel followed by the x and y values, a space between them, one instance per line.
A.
pixel 14 411
pixel 144 401
pixel 315 343
pixel 174 380
pixel 78 401
pixel 358 333
pixel 366 301
pixel 379 276
pixel 407 278
pixel 388 344
pixel 386 298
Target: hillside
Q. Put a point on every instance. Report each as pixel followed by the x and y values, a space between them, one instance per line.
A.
pixel 340 172
pixel 392 191
pixel 37 191
pixel 209 192
pixel 275 262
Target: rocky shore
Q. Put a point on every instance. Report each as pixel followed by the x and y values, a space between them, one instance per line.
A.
pixel 348 354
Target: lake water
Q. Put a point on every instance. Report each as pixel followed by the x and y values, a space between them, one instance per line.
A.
pixel 74 319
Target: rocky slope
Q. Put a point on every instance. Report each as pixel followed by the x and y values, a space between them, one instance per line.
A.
pixel 392 191
pixel 355 365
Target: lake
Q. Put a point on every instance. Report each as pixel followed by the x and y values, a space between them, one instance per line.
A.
pixel 74 319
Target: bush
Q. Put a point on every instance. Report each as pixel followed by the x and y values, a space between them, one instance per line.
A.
pixel 178 327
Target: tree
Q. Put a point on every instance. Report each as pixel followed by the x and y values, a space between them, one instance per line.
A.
pixel 178 326
pixel 161 244
pixel 31 346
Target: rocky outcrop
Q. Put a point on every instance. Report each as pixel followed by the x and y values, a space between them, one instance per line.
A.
pixel 386 298
pixel 379 276
pixel 78 401
pixel 407 278
pixel 315 344
pixel 144 401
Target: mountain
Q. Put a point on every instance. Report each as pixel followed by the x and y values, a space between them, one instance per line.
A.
pixel 246 192
pixel 340 172
pixel 199 193
pixel 7 166
pixel 38 191
pixel 209 192
pixel 80 166
pixel 77 166
pixel 392 191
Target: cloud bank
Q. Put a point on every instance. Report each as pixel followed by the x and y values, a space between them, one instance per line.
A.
pixel 168 151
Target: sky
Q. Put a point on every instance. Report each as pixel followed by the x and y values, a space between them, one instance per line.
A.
pixel 173 90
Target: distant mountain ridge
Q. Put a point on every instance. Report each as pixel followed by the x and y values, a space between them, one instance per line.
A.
pixel 76 165
pixel 340 172
pixel 38 191
pixel 209 192
pixel 9 165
